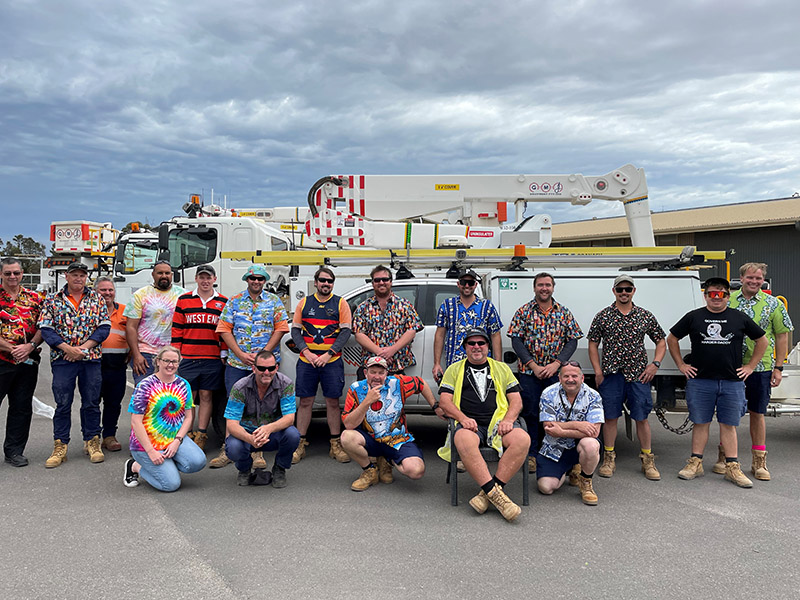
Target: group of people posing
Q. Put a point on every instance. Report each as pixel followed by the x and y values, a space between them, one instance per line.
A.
pixel 183 346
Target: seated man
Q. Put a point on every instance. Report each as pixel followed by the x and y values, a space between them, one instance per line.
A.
pixel 571 413
pixel 260 417
pixel 483 395
pixel 375 425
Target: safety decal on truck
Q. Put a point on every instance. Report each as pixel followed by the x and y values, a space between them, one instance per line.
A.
pixel 507 284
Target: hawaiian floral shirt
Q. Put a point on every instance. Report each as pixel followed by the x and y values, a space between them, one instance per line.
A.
pixel 554 406
pixel 544 335
pixel 623 339
pixel 385 327
pixel 253 323
pixel 74 326
pixel 770 314
pixel 458 319
pixel 18 318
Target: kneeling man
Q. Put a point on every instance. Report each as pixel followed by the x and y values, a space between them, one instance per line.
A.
pixel 571 413
pixel 375 425
pixel 483 396
pixel 260 417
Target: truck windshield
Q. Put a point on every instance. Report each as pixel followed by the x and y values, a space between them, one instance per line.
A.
pixel 191 248
pixel 138 255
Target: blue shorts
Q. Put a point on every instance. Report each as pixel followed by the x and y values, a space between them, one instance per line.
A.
pixel 202 374
pixel 757 390
pixel 308 378
pixel 397 456
pixel 483 432
pixel 615 391
pixel 547 467
pixel 703 395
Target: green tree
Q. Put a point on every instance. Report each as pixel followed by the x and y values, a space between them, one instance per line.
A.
pixel 23 247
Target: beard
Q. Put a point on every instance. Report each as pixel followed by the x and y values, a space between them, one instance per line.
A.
pixel 163 283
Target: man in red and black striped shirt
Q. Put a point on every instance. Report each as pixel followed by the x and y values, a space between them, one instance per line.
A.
pixel 194 325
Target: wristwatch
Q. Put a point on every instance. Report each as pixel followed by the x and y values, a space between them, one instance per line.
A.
pixel 657 363
pixel 179 438
pixel 435 405
pixel 779 368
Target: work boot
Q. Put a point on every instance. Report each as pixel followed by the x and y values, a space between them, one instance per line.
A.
pixel 92 448
pixel 733 472
pixel 719 466
pixel 574 474
pixel 480 502
pixel 693 468
pixel 368 477
pixel 300 453
pixel 190 435
pixel 111 444
pixel 759 466
pixel 200 439
pixel 587 493
pixel 384 470
pixel 221 460
pixel 531 464
pixel 609 466
pixel 649 466
pixel 243 478
pixel 258 460
pixel 336 452
pixel 58 456
pixel 460 466
pixel 278 476
pixel 503 503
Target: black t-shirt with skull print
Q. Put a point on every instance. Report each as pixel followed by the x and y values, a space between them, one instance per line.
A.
pixel 717 340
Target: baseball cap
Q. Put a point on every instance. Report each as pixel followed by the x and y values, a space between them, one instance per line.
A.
pixel 623 278
pixel 718 281
pixel 476 331
pixel 77 266
pixel 376 361
pixel 257 271
pixel 469 273
pixel 206 269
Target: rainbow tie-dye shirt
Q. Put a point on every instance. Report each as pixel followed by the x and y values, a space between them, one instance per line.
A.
pixel 163 406
pixel 155 309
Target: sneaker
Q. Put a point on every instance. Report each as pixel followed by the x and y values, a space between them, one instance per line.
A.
pixel 531 464
pixel 130 479
pixel 300 453
pixel 111 444
pixel 258 460
pixel 759 466
pixel 480 502
pixel 649 466
pixel 719 466
pixel 384 470
pixel 733 472
pixel 368 477
pixel 243 478
pixel 337 452
pixel 278 476
pixel 220 461
pixel 609 466
pixel 574 474
pixel 693 468
pixel 460 467
pixel 92 448
pixel 587 493
pixel 503 503
pixel 200 439
pixel 58 456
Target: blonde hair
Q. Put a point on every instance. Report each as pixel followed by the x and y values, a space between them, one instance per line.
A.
pixel 753 266
pixel 164 350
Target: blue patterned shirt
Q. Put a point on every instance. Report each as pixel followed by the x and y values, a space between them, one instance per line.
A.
pixel 555 407
pixel 253 323
pixel 458 319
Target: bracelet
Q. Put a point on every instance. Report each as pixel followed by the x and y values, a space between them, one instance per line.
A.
pixel 435 405
pixel 779 368
pixel 179 438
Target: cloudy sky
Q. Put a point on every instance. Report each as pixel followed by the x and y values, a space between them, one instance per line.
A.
pixel 117 111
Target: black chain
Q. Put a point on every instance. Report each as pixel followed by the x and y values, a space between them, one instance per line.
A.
pixel 682 430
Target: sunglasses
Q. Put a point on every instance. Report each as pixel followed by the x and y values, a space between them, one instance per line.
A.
pixel 324 280
pixel 12 273
pixel 467 282
pixel 381 279
pixel 262 368
pixel 251 278
pixel 626 290
pixel 476 342
pixel 571 363
pixel 717 294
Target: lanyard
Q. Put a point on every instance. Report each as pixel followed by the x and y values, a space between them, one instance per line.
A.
pixel 562 396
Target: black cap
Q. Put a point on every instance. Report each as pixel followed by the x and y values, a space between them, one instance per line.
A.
pixel 77 266
pixel 206 269
pixel 469 273
pixel 476 331
pixel 717 281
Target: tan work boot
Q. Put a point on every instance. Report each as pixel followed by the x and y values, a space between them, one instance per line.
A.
pixel 733 472
pixel 258 460
pixel 111 444
pixel 369 476
pixel 337 452
pixel 649 466
pixel 58 456
pixel 480 503
pixel 300 453
pixel 719 466
pixel 92 448
pixel 503 503
pixel 220 461
pixel 460 467
pixel 609 466
pixel 759 466
pixel 574 475
pixel 200 439
pixel 531 464
pixel 191 435
pixel 693 468
pixel 587 493
pixel 384 470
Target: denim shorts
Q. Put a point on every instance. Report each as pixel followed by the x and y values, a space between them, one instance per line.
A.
pixel 309 378
pixel 727 396
pixel 757 389
pixel 615 391
pixel 397 456
pixel 202 374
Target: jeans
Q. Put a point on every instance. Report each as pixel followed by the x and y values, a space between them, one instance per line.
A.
pixel 166 477
pixel 232 375
pixel 112 391
pixel 18 382
pixel 284 441
pixel 150 359
pixel 532 388
pixel 87 372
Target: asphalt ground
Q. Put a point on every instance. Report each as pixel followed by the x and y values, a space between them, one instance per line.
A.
pixel 76 531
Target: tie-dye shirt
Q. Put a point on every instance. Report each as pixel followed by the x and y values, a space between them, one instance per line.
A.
pixel 163 406
pixel 154 308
